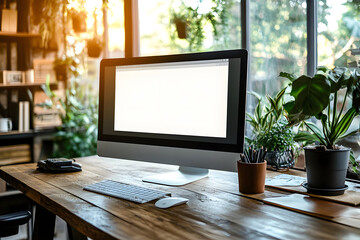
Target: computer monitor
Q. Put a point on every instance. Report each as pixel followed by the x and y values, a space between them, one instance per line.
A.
pixel 186 110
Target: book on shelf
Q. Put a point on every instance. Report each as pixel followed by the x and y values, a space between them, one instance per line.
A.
pixel 24 116
pixel 9 20
pixel 9 16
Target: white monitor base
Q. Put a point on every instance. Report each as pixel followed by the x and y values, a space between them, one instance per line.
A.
pixel 181 177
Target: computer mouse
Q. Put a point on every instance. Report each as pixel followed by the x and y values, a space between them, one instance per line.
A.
pixel 170 202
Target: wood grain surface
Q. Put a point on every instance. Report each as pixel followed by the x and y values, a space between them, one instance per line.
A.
pixel 216 210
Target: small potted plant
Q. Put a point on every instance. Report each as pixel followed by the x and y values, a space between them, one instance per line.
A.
pixel 78 20
pixel 319 96
pixel 94 47
pixel 280 144
pixel 66 65
pixel 252 170
pixel 181 26
pixel 269 130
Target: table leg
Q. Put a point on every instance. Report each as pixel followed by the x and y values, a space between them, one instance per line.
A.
pixel 74 234
pixel 44 224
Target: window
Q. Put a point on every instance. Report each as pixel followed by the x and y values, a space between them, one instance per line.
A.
pixel 277 42
pixel 178 26
pixel 116 33
pixel 338 32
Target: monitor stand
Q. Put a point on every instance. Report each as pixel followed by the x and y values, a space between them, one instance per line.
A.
pixel 183 176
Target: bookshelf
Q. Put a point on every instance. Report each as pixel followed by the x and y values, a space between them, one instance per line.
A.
pixel 16 99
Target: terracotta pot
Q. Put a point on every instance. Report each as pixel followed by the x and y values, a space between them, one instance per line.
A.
pixel 251 177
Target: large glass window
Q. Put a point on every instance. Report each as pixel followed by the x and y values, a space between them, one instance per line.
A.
pixel 338 32
pixel 115 21
pixel 179 26
pixel 277 42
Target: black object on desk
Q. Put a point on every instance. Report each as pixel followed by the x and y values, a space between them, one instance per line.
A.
pixel 59 165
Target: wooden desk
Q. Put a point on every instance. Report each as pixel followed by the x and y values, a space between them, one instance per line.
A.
pixel 214 211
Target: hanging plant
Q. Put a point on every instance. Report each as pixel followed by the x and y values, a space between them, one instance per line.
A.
pixel 190 21
pixel 47 14
pixel 181 28
pixel 94 47
pixel 78 19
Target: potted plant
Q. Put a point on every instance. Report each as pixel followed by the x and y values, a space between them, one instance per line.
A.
pixel 181 26
pixel 78 20
pixel 190 20
pixel 269 130
pixel 65 65
pixel 94 47
pixel 252 171
pixel 319 96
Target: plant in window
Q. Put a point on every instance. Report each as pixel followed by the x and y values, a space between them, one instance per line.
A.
pixel 191 20
pixel 319 96
pixel 94 47
pixel 270 131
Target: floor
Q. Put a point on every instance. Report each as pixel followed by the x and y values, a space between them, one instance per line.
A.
pixel 60 232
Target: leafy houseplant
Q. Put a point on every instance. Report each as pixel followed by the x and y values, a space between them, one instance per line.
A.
pixel 270 131
pixel 319 96
pixel 77 136
pixel 66 66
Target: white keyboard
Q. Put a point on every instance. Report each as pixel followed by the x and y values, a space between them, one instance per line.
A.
pixel 126 191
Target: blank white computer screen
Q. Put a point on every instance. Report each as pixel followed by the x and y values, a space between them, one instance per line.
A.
pixel 188 98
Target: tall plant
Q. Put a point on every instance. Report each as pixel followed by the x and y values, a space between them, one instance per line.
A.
pixel 319 96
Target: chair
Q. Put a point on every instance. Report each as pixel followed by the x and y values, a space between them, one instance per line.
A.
pixel 15 210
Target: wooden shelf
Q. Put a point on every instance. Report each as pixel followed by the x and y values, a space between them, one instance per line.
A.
pixel 18 35
pixel 26 134
pixel 20 85
pixel 16 134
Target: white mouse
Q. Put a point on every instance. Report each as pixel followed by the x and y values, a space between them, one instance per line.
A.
pixel 170 202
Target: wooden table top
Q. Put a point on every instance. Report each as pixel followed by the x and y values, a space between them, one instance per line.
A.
pixel 215 209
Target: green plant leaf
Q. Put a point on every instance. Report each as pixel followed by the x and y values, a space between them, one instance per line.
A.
pixel 343 124
pixel 306 138
pixel 339 78
pixel 322 69
pixel 348 134
pixel 316 131
pixel 258 97
pixel 289 76
pixel 311 97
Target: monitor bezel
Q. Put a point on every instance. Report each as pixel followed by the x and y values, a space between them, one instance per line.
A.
pixel 227 147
